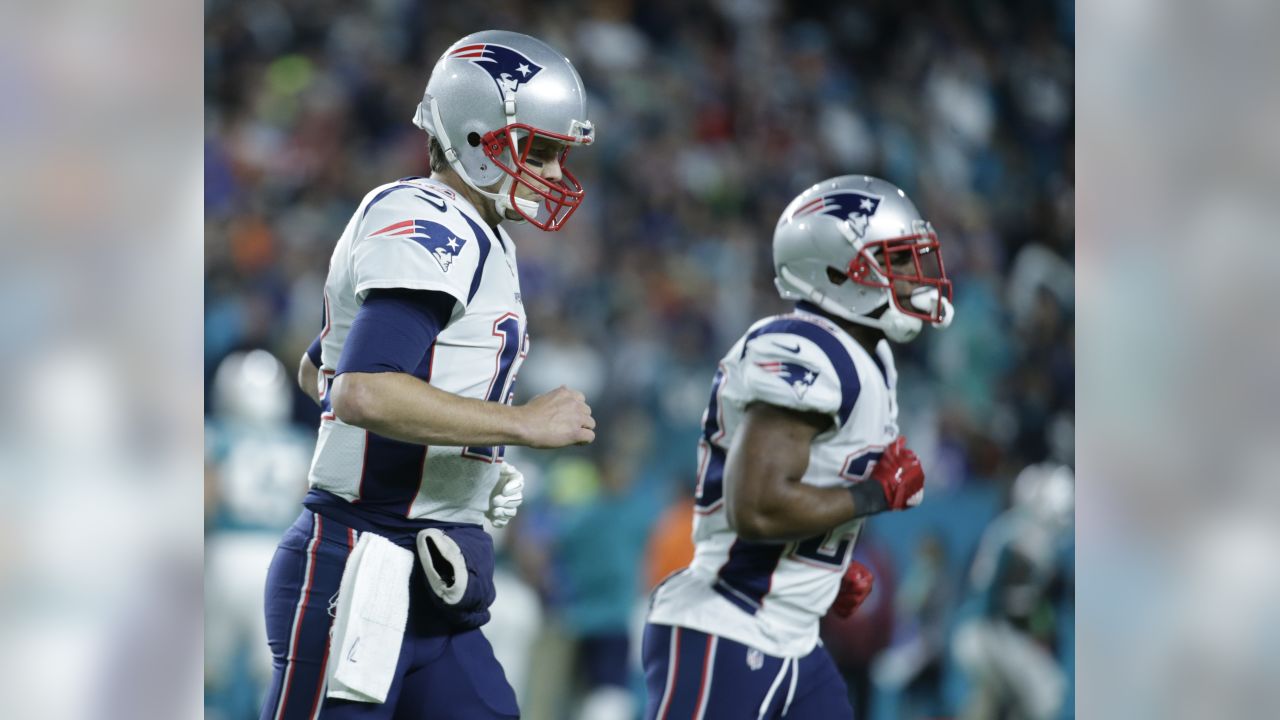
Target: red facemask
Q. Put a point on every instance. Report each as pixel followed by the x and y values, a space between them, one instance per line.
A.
pixel 559 198
pixel 925 270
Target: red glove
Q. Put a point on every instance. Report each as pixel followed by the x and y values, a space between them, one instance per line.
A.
pixel 855 586
pixel 900 476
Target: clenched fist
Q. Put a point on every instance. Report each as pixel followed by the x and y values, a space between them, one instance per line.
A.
pixel 558 418
pixel 899 474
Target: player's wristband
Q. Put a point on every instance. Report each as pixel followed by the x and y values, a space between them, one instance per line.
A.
pixel 868 498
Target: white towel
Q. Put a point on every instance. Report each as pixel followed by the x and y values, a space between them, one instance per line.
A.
pixel 368 626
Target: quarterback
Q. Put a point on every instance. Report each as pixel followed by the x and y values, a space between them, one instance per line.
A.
pixel 799 446
pixel 375 596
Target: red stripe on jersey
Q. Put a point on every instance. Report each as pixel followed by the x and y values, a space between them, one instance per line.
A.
pixel 395 226
pixel 710 508
pixel 328 318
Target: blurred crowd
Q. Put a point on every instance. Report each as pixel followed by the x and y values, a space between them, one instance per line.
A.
pixel 710 117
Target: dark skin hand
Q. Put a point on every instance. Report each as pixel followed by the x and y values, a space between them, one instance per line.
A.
pixel 764 498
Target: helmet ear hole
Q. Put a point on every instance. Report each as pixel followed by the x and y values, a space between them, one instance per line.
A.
pixel 835 276
pixel 473 139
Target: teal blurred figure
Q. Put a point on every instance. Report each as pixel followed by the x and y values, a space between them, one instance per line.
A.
pixel 582 544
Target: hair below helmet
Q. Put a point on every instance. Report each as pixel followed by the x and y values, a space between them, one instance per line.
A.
pixel 493 94
pixel 847 242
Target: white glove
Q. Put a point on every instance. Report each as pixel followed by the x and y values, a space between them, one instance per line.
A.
pixel 507 495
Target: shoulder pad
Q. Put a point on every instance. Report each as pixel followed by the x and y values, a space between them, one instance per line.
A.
pixel 409 236
pixel 805 358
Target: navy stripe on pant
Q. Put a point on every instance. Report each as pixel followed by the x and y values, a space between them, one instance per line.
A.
pixel 302 580
pixel 691 675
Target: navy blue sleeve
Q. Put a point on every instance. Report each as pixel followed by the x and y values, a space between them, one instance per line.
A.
pixel 313 351
pixel 394 329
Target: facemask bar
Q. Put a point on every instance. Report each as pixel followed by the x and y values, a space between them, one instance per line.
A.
pixel 559 201
pixel 559 198
pixel 927 270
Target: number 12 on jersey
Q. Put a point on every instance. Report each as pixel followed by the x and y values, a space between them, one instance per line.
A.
pixel 515 346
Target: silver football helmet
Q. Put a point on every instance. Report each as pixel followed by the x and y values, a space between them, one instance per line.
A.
pixel 845 243
pixel 489 97
pixel 1047 491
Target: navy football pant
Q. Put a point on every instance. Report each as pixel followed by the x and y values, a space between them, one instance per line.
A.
pixel 691 675
pixel 438 677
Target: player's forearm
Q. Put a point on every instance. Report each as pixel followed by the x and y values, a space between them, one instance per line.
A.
pixel 798 512
pixel 764 496
pixel 402 407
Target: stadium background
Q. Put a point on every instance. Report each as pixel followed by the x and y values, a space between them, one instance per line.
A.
pixel 710 118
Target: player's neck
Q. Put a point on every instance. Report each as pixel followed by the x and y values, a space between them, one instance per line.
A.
pixel 483 205
pixel 865 335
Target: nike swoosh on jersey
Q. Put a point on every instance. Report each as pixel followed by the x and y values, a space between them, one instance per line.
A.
pixel 795 349
pixel 435 202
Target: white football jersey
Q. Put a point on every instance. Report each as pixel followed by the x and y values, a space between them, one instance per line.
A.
pixel 771 595
pixel 417 233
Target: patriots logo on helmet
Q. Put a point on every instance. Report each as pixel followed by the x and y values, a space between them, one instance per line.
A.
pixel 799 377
pixel 849 205
pixel 508 68
pixel 443 245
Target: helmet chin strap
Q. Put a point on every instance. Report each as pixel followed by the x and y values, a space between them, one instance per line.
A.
pixel 901 327
pixel 503 201
pixel 896 325
pixel 502 198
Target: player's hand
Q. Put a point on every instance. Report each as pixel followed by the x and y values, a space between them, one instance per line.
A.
pixel 855 586
pixel 899 474
pixel 559 418
pixel 506 496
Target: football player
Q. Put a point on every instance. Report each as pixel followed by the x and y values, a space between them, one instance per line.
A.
pixel 799 446
pixel 424 334
pixel 1004 647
